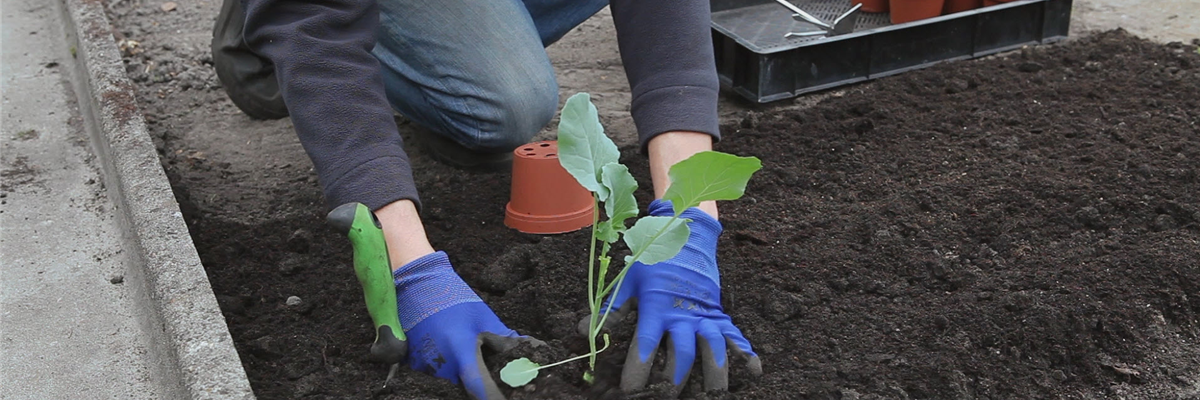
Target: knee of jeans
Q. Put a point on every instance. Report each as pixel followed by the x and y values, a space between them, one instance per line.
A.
pixel 519 112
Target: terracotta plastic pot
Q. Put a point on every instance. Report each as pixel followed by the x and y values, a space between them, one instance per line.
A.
pixel 912 10
pixel 545 199
pixel 954 6
pixel 872 6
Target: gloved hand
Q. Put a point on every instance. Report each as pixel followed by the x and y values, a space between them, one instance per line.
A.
pixel 447 324
pixel 680 299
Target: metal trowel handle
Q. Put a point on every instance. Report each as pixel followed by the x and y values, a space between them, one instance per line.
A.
pixel 804 15
pixel 842 25
pixel 374 270
pixel 845 23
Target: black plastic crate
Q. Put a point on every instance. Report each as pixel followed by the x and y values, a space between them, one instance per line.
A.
pixel 756 61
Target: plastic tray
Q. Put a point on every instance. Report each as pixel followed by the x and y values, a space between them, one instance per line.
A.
pixel 756 61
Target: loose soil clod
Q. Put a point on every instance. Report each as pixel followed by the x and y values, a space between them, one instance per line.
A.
pixel 1016 227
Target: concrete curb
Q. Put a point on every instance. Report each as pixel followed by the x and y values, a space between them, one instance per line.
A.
pixel 192 343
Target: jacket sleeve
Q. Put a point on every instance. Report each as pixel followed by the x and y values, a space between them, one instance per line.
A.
pixel 666 48
pixel 334 92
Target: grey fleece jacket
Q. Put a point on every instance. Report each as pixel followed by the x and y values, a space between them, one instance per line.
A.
pixel 335 95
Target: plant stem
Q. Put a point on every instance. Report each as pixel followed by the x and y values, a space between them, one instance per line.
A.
pixel 582 356
pixel 593 329
pixel 616 287
pixel 593 305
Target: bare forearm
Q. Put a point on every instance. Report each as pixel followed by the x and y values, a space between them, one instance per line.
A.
pixel 403 232
pixel 671 147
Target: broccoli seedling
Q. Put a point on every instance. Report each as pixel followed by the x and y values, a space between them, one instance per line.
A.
pixel 594 161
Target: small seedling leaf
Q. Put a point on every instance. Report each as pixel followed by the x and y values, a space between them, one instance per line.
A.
pixel 583 148
pixel 519 372
pixel 709 175
pixel 659 249
pixel 620 204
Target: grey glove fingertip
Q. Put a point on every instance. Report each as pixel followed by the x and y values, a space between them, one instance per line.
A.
pixel 673 362
pixel 491 390
pixel 752 362
pixel 533 341
pixel 500 344
pixel 583 325
pixel 716 377
pixel 636 373
pixel 755 366
pixel 505 343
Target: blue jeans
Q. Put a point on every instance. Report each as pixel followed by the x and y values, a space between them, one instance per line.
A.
pixel 475 71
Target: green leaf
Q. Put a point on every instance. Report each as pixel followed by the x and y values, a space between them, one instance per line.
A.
pixel 583 149
pixel 606 232
pixel 658 248
pixel 620 204
pixel 519 372
pixel 709 175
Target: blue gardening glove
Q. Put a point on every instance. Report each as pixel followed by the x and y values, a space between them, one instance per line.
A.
pixel 447 324
pixel 680 300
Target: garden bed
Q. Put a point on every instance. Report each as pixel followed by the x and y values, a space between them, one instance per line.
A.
pixel 1025 226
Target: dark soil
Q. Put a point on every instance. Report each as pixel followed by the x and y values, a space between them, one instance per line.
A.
pixel 1025 226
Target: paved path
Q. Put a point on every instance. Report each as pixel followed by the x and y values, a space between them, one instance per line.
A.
pixel 66 330
pixel 1158 20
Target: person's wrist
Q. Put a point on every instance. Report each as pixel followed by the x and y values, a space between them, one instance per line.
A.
pixel 403 232
pixel 669 148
